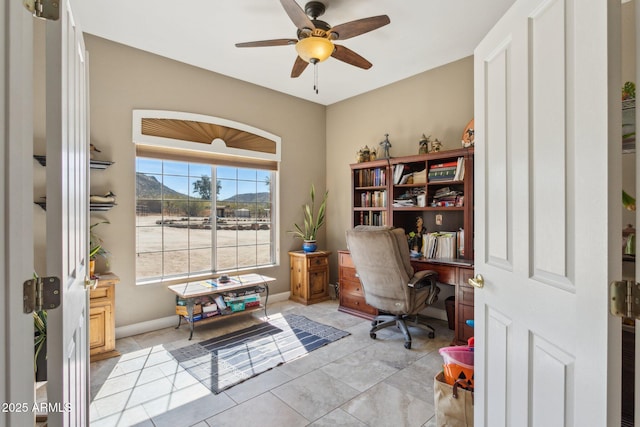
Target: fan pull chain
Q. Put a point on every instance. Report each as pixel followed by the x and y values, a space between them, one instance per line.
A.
pixel 315 77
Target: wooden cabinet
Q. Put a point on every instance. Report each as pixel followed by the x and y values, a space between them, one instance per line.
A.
pixel 309 276
pixel 464 305
pixel 455 275
pixel 350 289
pixel 102 335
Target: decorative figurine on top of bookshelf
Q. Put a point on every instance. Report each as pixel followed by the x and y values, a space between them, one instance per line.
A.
pixel 384 146
pixel 468 135
pixel 373 154
pixel 424 144
pixel 364 155
pixel 428 146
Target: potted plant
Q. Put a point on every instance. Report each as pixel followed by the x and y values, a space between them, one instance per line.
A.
pixel 95 247
pixel 312 222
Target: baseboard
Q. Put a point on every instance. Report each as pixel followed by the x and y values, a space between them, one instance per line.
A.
pixel 147 326
pixel 171 321
pixel 282 296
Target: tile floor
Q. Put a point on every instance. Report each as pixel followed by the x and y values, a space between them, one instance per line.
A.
pixel 355 381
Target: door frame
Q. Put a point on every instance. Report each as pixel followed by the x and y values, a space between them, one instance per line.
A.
pixel 16 254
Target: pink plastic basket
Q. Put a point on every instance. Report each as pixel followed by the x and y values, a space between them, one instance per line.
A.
pixel 458 363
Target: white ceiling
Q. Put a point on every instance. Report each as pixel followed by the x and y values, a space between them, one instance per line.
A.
pixel 423 34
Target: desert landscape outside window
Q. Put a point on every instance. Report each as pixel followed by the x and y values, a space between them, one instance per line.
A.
pixel 196 220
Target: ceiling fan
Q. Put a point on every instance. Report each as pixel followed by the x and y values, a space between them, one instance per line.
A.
pixel 315 38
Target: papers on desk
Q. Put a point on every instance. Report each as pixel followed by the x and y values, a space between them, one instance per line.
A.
pixel 442 244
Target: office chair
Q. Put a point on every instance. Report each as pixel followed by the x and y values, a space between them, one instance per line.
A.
pixel 382 261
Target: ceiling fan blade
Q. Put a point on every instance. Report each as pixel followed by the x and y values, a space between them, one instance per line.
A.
pixel 297 15
pixel 359 26
pixel 263 43
pixel 298 67
pixel 350 57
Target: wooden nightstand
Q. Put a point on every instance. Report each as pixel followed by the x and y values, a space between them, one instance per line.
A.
pixel 102 321
pixel 309 276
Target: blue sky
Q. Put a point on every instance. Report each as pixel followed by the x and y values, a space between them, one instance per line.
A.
pixel 180 176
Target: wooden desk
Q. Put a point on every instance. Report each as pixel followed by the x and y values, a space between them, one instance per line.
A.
pixel 352 299
pixel 454 274
pixel 102 321
pixel 191 291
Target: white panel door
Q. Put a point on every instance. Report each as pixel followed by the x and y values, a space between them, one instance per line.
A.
pixel 16 207
pixel 637 278
pixel 543 178
pixel 67 212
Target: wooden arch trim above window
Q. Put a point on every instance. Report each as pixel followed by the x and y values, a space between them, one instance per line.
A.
pixel 199 133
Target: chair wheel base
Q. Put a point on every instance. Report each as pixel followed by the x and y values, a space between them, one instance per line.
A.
pixel 372 335
pixel 407 345
pixel 432 335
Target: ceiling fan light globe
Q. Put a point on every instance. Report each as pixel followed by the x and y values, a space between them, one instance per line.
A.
pixel 317 49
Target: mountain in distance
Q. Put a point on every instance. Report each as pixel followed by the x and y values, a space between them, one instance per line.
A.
pixel 249 198
pixel 148 187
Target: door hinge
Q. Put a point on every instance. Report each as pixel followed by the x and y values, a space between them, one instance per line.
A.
pixel 625 299
pixel 45 9
pixel 41 293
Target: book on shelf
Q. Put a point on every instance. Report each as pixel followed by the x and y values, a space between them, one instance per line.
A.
pixel 441 244
pixel 447 197
pixel 448 171
pixel 376 199
pixel 370 177
pixel 373 218
pixel 460 172
pixel 246 291
pixel 398 172
pixel 453 163
pixel 404 203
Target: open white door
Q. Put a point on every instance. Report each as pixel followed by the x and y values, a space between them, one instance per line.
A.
pixel 67 212
pixel 637 270
pixel 16 207
pixel 547 206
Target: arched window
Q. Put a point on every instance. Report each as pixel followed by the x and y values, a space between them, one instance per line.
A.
pixel 206 196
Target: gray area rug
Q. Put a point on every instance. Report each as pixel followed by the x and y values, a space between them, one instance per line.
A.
pixel 222 362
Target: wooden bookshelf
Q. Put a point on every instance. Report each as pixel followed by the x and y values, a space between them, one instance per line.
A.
pixel 375 187
pixel 437 216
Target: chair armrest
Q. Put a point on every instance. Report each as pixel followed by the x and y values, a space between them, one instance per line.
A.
pixel 423 279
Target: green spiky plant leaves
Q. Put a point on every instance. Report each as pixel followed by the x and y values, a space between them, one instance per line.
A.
pixel 312 221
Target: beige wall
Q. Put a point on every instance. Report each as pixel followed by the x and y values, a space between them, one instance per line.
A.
pixel 123 79
pixel 438 102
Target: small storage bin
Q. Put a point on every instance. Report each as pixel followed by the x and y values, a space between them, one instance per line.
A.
pixel 458 363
